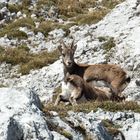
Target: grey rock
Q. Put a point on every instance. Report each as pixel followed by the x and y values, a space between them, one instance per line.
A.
pixel 19 14
pixel 138 82
pixel 21 116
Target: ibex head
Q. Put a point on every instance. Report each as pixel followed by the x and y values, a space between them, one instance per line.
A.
pixel 67 52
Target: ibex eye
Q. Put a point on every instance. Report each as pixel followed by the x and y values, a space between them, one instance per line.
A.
pixel 63 55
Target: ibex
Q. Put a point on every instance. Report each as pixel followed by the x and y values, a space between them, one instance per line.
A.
pixel 114 76
pixel 78 89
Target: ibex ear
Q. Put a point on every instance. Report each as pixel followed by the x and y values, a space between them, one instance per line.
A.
pixel 73 47
pixel 60 48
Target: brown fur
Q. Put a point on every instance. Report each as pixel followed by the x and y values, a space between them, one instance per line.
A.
pixel 82 88
pixel 113 75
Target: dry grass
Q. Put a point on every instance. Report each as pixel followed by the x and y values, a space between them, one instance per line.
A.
pixel 14 8
pixel 53 127
pixel 11 29
pixel 88 106
pixel 112 129
pixel 17 34
pixel 72 8
pixel 37 61
pixel 90 18
pixel 69 8
pixel 46 26
pixel 27 60
pixel 109 44
pixel 43 3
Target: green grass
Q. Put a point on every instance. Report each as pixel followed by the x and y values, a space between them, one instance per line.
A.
pixel 88 106
pixel 27 61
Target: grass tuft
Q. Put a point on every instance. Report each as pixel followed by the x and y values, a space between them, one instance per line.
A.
pixel 107 47
pixel 17 34
pixel 45 27
pixel 109 44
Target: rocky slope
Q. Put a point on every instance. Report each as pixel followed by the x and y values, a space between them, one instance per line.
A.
pixel 120 26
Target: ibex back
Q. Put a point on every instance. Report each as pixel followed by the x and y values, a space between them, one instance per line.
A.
pixel 112 74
